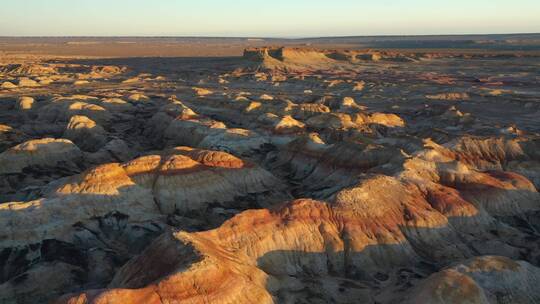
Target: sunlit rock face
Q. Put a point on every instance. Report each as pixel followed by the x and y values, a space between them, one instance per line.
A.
pixel 288 175
pixel 25 103
pixel 179 181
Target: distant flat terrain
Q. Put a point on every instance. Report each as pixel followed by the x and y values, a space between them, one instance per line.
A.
pixel 212 47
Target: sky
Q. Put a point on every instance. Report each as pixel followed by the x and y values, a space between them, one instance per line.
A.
pixel 269 18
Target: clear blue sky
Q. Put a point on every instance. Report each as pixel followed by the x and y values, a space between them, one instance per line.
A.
pixel 282 18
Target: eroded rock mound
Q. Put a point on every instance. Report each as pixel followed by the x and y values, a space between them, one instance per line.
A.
pixel 289 59
pixel 488 279
pixel 85 133
pixel 39 152
pixel 180 181
pixel 109 213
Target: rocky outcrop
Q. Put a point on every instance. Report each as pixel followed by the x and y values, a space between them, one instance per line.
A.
pixel 25 103
pixel 85 133
pixel 61 110
pixel 8 85
pixel 10 137
pixel 27 82
pixel 488 279
pixel 46 152
pixel 290 60
pixel 180 181
pixel 176 124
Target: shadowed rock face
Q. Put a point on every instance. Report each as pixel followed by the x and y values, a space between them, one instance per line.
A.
pixel 485 279
pixel 290 175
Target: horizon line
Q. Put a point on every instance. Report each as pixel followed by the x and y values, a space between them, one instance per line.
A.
pixel 266 37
